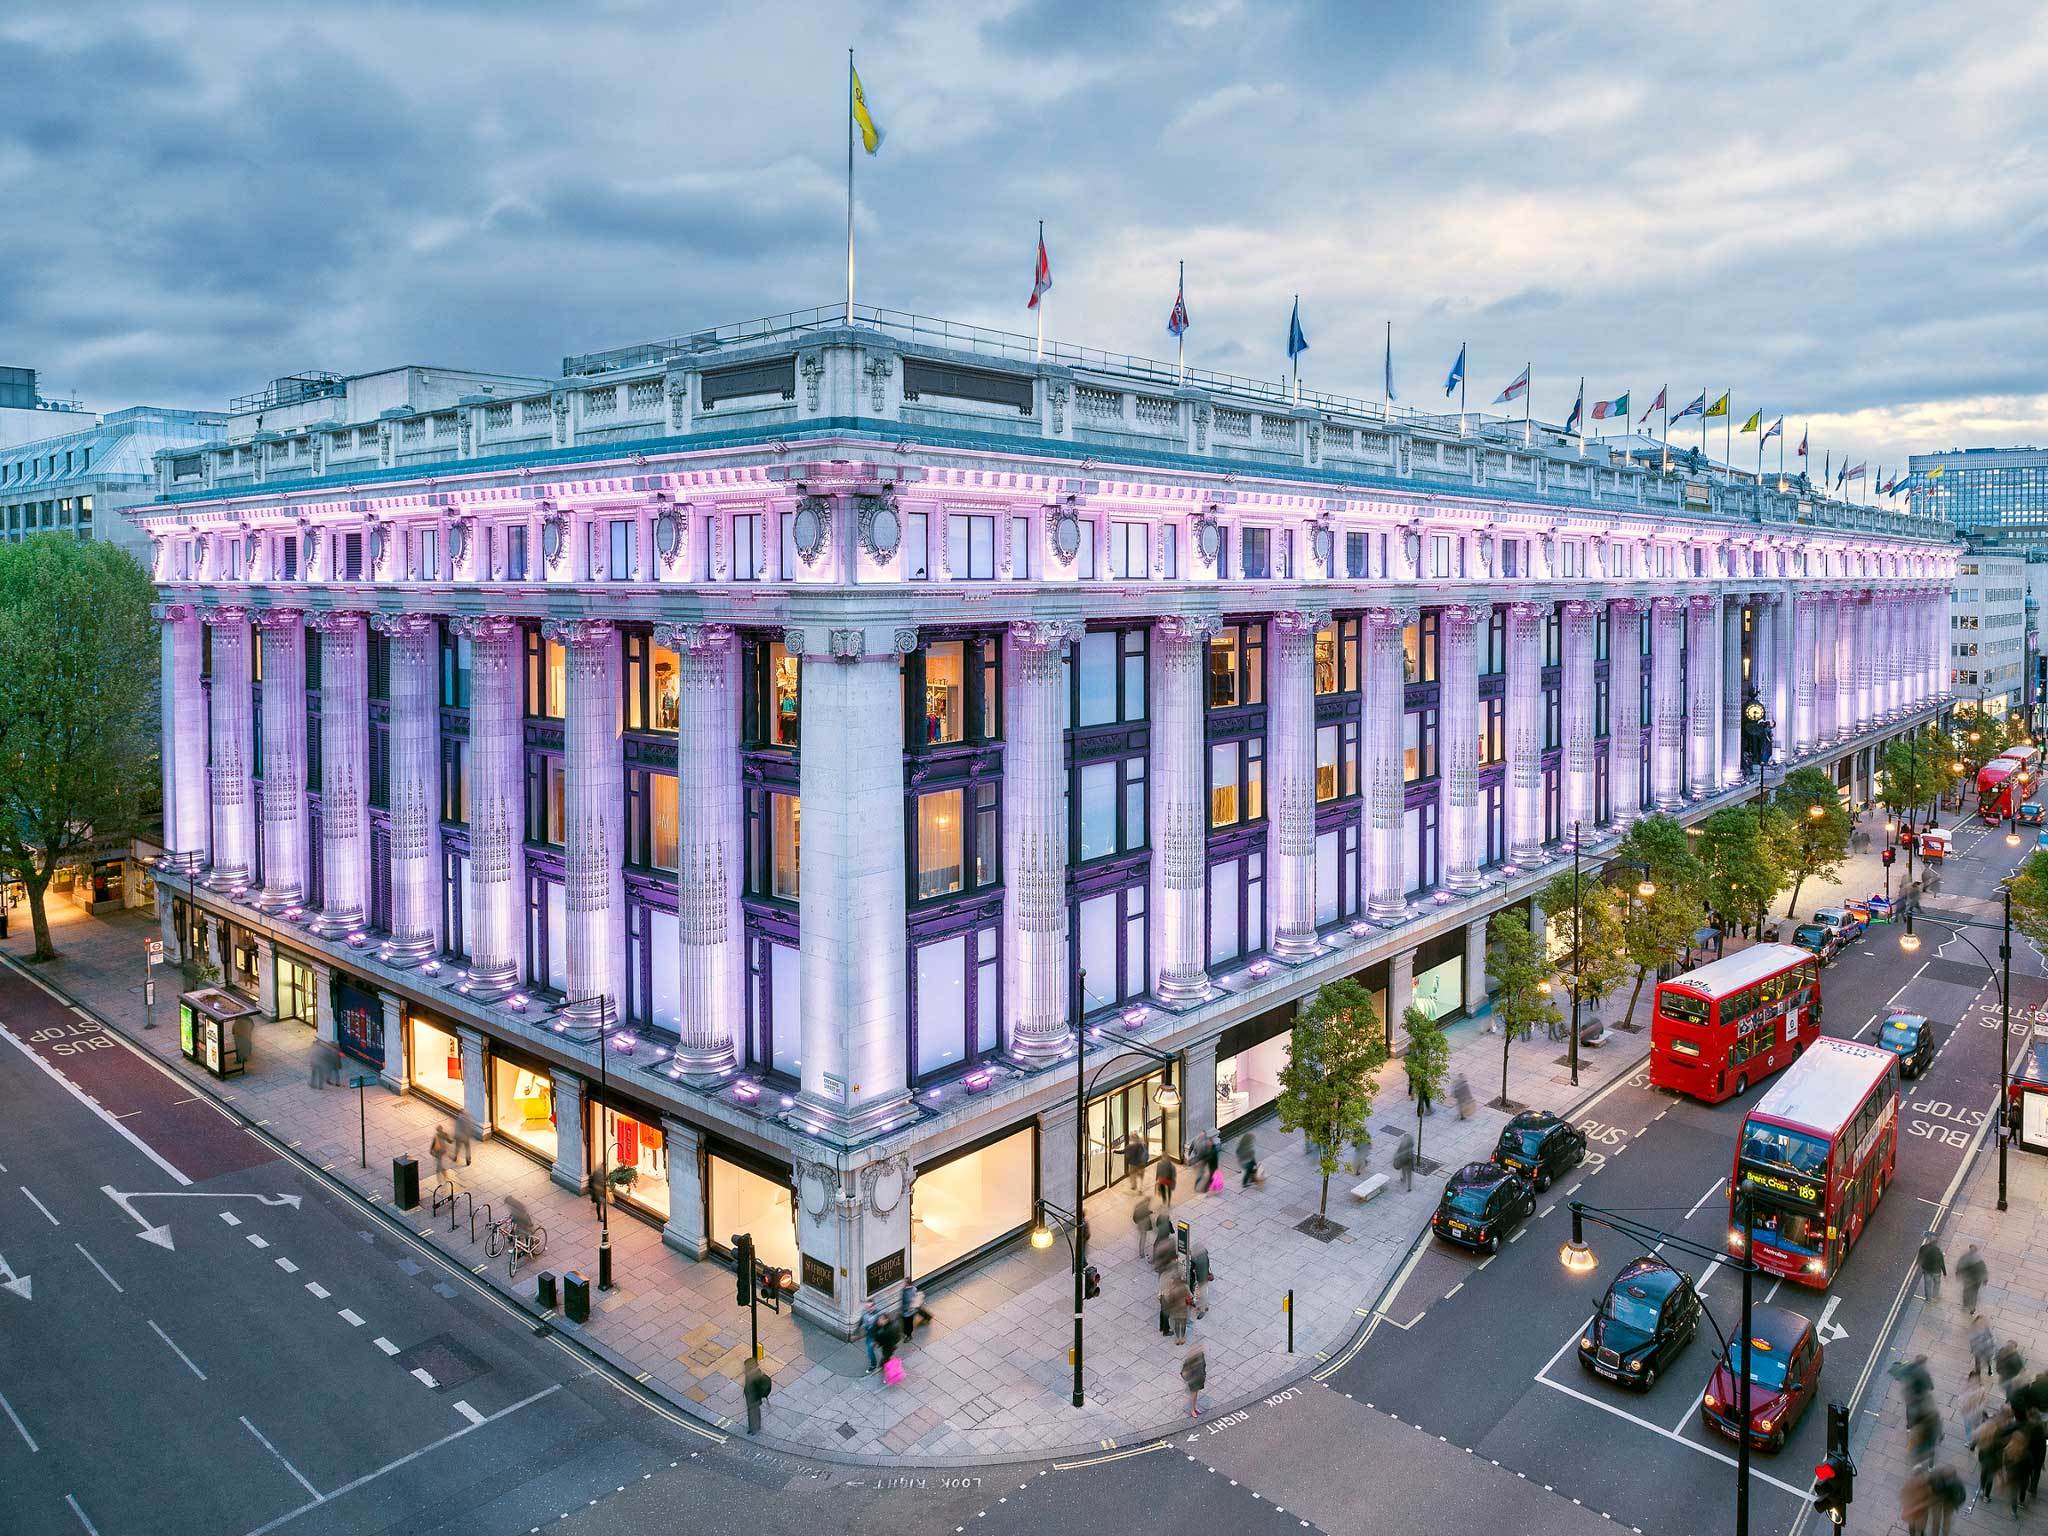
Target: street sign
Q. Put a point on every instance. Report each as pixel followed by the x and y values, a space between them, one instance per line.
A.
pixel 156 951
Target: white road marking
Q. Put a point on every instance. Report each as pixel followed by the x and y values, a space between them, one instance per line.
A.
pixel 317 1289
pixel 90 1528
pixel 476 1418
pixel 96 1264
pixel 257 1240
pixel 1703 1199
pixel 23 1428
pixel 1454 1290
pixel 424 1379
pixel 177 1351
pixel 39 1205
pixel 80 1094
pixel 288 1266
pixel 1866 1026
pixel 1671 1435
pixel 350 1318
pixel 282 1462
pixel 231 1218
pixel 385 1344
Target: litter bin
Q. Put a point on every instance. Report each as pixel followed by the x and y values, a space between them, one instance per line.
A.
pixel 405 1183
pixel 576 1297
pixel 544 1289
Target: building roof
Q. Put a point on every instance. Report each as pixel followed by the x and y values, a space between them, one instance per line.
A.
pixel 1823 1087
pixel 1717 978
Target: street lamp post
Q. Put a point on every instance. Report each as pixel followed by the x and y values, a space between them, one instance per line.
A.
pixel 2001 976
pixel 602 1030
pixel 1578 951
pixel 1577 1257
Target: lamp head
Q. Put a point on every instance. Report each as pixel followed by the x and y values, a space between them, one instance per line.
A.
pixel 1041 1234
pixel 1168 1096
pixel 1577 1255
pixel 1815 812
pixel 1646 889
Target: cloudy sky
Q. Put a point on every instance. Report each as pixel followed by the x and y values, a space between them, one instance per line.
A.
pixel 1839 211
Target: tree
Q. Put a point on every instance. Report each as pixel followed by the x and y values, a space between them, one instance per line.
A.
pixel 1657 929
pixel 78 697
pixel 1331 1076
pixel 2030 897
pixel 1589 956
pixel 1811 837
pixel 1662 843
pixel 1742 872
pixel 1516 971
pixel 1913 773
pixel 1427 1060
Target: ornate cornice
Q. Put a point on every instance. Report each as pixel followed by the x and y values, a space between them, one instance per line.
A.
pixel 396 624
pixel 473 626
pixel 580 634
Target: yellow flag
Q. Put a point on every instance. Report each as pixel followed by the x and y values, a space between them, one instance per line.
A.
pixel 1755 423
pixel 1937 472
pixel 1720 406
pixel 870 135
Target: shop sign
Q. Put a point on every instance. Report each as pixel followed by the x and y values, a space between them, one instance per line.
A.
pixel 885 1272
pixel 818 1274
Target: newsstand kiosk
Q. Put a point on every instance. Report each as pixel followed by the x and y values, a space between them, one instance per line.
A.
pixel 217 1030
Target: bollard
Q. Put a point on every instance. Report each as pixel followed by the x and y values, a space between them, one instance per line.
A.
pixel 544 1290
pixel 1289 1309
pixel 576 1297
pixel 405 1183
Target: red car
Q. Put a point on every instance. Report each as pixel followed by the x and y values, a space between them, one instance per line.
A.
pixel 1784 1379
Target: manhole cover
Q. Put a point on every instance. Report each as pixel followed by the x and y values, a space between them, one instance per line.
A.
pixel 445 1360
pixel 847 1431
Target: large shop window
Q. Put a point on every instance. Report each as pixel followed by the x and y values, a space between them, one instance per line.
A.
pixel 775 1033
pixel 296 998
pixel 1440 990
pixel 1418 649
pixel 774 689
pixel 1237 907
pixel 1127 1113
pixel 628 1142
pixel 1237 666
pixel 1249 1060
pixel 1336 760
pixel 961 1205
pixel 653 685
pixel 958 1008
pixel 436 1060
pixel 741 1200
pixel 1113 953
pixel 954 853
pixel 651 818
pixel 1109 677
pixel 523 1106
pixel 1418 745
pixel 547 799
pixel 1237 781
pixel 952 693
pixel 1110 807
pixel 774 844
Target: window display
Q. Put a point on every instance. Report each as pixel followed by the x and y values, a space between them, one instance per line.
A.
pixel 638 1157
pixel 1250 1080
pixel 436 1059
pixel 741 1200
pixel 960 1206
pixel 523 1107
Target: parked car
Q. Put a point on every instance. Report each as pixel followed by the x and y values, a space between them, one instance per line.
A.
pixel 1934 843
pixel 1540 1146
pixel 1646 1318
pixel 1910 1037
pixel 1783 1359
pixel 1845 921
pixel 1481 1204
pixel 2031 814
pixel 1819 938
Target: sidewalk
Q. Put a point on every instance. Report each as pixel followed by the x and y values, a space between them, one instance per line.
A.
pixel 990 1378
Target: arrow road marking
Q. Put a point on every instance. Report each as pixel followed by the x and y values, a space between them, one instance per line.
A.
pixel 161 1234
pixel 10 1281
pixel 1828 1329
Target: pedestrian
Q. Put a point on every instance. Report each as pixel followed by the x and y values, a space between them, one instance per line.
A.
pixel 2012 1468
pixel 1923 1429
pixel 1248 1160
pixel 438 1150
pixel 1461 1090
pixel 1212 1161
pixel 1974 1406
pixel 1194 1375
pixel 2036 1436
pixel 912 1309
pixel 1932 1267
pixel 1948 1494
pixel 1915 1499
pixel 757 1386
pixel 1982 1346
pixel 1165 1181
pixel 1989 1444
pixel 888 1335
pixel 1165 1252
pixel 2009 1362
pixel 1913 1375
pixel 1141 1218
pixel 1970 1270
pixel 1136 1155
pixel 461 1147
pixel 1198 1276
pixel 1423 1101
pixel 1404 1160
pixel 870 1320
pixel 1173 1305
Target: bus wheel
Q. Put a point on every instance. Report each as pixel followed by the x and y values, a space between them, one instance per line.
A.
pixel 1741 1085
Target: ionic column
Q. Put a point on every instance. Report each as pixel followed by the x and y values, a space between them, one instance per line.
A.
pixel 1525 732
pixel 594 770
pixel 1869 677
pixel 1386 881
pixel 1464 837
pixel 1180 809
pixel 1576 682
pixel 1731 692
pixel 182 711
pixel 234 831
pixel 1625 709
pixel 1805 650
pixel 1784 666
pixel 1826 722
pixel 710 847
pixel 1291 781
pixel 497 819
pixel 1892 690
pixel 1845 665
pixel 1703 694
pixel 283 638
pixel 344 774
pixel 1667 702
pixel 1939 657
pixel 415 649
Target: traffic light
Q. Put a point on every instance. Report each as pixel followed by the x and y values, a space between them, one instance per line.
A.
pixel 1834 1480
pixel 743 1267
pixel 1888 856
pixel 1091 1283
pixel 774 1284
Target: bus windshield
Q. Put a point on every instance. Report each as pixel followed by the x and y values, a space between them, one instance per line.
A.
pixel 1795 1230
pixel 1772 1146
pixel 1686 1010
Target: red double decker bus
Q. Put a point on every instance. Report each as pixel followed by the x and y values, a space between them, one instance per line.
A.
pixel 2006 780
pixel 1735 1021
pixel 1814 1158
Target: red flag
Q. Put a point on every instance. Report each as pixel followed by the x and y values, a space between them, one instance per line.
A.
pixel 1041 279
pixel 1802 444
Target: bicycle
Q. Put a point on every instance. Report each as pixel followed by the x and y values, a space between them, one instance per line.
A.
pixel 531 1245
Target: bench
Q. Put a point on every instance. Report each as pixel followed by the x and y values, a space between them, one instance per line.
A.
pixel 1369 1188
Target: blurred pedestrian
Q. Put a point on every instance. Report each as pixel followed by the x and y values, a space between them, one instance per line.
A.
pixel 1248 1160
pixel 461 1146
pixel 1989 1444
pixel 1165 1181
pixel 756 1388
pixel 1970 1271
pixel 1174 1305
pixel 1165 1251
pixel 437 1149
pixel 888 1335
pixel 1461 1090
pixel 2012 1469
pixel 1198 1276
pixel 1404 1160
pixel 1141 1218
pixel 2035 1435
pixel 2008 1362
pixel 1915 1499
pixel 1982 1345
pixel 1932 1267
pixel 870 1320
pixel 1211 1160
pixel 1923 1429
pixel 1948 1495
pixel 911 1309
pixel 1194 1375
pixel 1136 1155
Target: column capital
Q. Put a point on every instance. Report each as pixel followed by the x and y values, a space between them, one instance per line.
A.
pixel 1384 616
pixel 1579 608
pixel 1704 602
pixel 397 624
pixel 173 613
pixel 694 637
pixel 1464 615
pixel 1625 607
pixel 1300 620
pixel 1526 612
pixel 1187 628
pixel 472 626
pixel 1044 634
pixel 279 620
pixel 219 617
pixel 580 634
pixel 335 621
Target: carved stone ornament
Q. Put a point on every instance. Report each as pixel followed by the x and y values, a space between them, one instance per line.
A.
pixel 1315 442
pixel 1063 534
pixel 1056 398
pixel 199 547
pixel 678 400
pixel 458 540
pixel 819 1179
pixel 848 644
pixel 884 1184
pixel 880 524
pixel 1322 543
pixel 1207 539
pixel 668 537
pixel 249 558
pixel 380 543
pixel 793 641
pixel 877 370
pixel 1201 429
pixel 554 539
pixel 905 639
pixel 812 366
pixel 812 533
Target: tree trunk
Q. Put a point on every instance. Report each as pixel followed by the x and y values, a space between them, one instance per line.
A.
pixel 39 919
pixel 1637 995
pixel 1507 1038
pixel 1793 905
pixel 1418 1128
pixel 1323 1210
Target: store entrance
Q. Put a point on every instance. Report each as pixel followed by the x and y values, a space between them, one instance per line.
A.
pixel 1124 1114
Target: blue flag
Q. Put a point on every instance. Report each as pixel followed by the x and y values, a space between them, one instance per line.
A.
pixel 1391 396
pixel 1578 409
pixel 1296 342
pixel 1457 374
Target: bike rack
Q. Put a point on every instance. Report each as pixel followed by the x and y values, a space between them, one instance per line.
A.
pixel 472 1219
pixel 444 1194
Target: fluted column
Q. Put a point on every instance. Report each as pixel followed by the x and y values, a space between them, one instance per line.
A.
pixel 1894 698
pixel 1180 809
pixel 415 776
pixel 1625 709
pixel 1035 841
pixel 593 764
pixel 1703 694
pixel 1525 732
pixel 1804 653
pixel 1291 781
pixel 1731 692
pixel 497 818
pixel 183 716
pixel 1576 682
pixel 1386 882
pixel 283 638
pixel 1940 661
pixel 1827 723
pixel 1667 702
pixel 1845 665
pixel 1784 670
pixel 1763 653
pixel 1464 837
pixel 344 773
pixel 710 861
pixel 234 831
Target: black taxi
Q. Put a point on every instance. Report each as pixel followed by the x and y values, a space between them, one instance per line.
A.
pixel 1540 1146
pixel 1648 1315
pixel 1481 1204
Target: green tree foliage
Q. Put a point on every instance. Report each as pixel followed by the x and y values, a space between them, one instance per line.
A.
pixel 1590 959
pixel 1737 848
pixel 1427 1060
pixel 1516 969
pixel 78 705
pixel 1655 930
pixel 1331 1076
pixel 1662 843
pixel 1913 773
pixel 1810 839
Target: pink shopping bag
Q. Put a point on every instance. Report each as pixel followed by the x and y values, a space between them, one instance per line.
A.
pixel 1216 1182
pixel 892 1372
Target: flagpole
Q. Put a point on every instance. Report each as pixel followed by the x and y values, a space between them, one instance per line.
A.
pixel 1180 341
pixel 1038 308
pixel 1296 358
pixel 1528 389
pixel 1387 374
pixel 849 186
pixel 1463 374
pixel 1728 439
pixel 1665 395
pixel 1582 415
